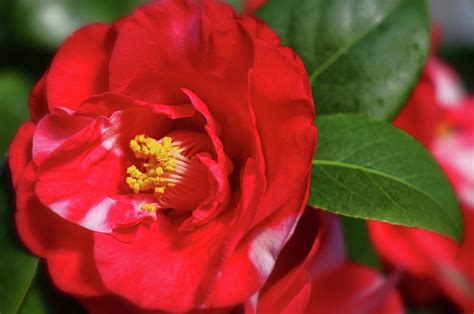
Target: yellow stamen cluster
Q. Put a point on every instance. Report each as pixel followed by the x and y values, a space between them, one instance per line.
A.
pixel 159 158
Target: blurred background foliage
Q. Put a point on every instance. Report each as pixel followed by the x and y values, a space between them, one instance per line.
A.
pixel 31 31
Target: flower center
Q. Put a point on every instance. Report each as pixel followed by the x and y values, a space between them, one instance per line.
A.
pixel 169 170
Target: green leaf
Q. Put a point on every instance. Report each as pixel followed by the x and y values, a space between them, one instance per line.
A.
pixel 358 244
pixel 363 56
pixel 14 92
pixel 368 169
pixel 17 267
pixel 35 301
pixel 43 297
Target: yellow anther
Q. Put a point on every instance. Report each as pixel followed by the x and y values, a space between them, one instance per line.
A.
pixel 160 190
pixel 159 158
pixel 148 207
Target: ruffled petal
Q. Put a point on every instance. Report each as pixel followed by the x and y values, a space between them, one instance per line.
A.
pixel 38 100
pixel 219 169
pixel 53 130
pixel 257 253
pixel 197 45
pixel 284 116
pixel 108 103
pixel 80 67
pixel 317 279
pixel 315 249
pixel 180 260
pixel 354 289
pixel 113 305
pixel 92 165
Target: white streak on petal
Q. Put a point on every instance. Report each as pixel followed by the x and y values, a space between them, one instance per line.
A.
pixel 109 140
pixel 108 143
pixel 267 245
pixel 467 196
pixel 251 304
pixel 96 217
pixel 464 161
pixel 449 90
pixel 61 207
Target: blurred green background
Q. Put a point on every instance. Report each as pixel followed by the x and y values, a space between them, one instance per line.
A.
pixel 31 31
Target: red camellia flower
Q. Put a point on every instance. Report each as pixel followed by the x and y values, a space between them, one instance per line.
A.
pixel 168 157
pixel 440 117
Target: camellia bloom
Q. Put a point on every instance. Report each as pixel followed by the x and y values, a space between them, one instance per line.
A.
pixel 168 157
pixel 441 118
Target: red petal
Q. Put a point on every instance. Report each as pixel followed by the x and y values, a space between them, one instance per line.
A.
pixel 428 257
pixel 355 289
pixel 80 68
pixel 186 43
pixel 20 151
pixel 284 114
pixel 38 101
pixel 197 45
pixel 53 130
pixel 261 248
pixel 67 247
pixel 438 89
pixel 108 103
pixel 220 192
pixel 92 165
pixel 323 282
pixel 304 259
pixel 181 260
pixel 412 249
pixel 114 305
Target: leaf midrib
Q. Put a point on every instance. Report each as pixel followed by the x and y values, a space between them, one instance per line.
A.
pixel 22 301
pixel 346 48
pixel 385 175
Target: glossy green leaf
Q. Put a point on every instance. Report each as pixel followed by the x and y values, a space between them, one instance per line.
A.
pixel 35 301
pixel 363 56
pixel 368 169
pixel 17 267
pixel 43 297
pixel 14 92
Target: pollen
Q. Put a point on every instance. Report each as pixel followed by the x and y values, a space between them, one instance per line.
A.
pixel 149 208
pixel 159 161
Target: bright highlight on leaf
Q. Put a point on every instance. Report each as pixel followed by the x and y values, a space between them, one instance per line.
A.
pixel 369 169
